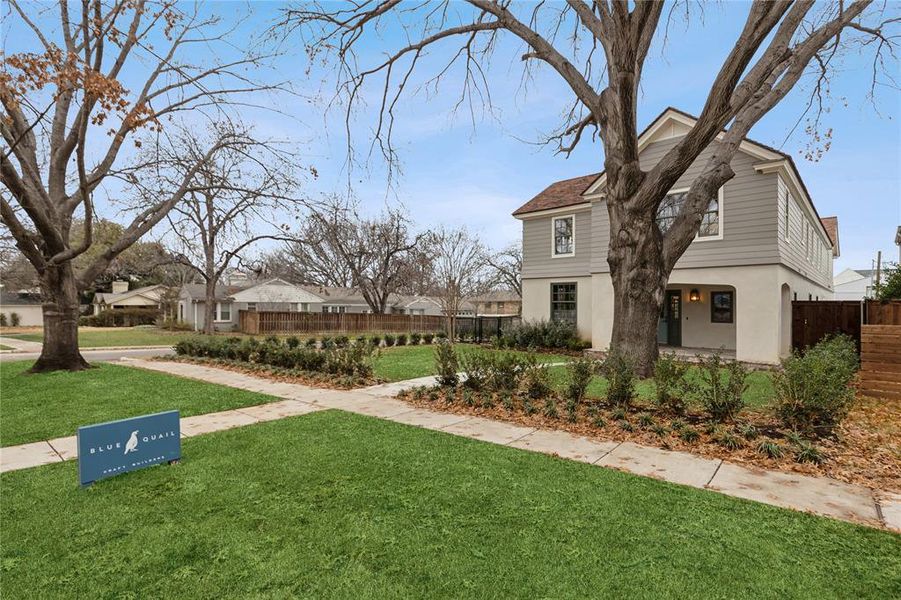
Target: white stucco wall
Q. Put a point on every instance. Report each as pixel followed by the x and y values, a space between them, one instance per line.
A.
pixel 536 301
pixel 762 332
pixel 698 331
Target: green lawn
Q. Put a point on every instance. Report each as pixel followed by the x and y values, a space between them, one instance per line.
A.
pixel 2 347
pixel 334 505
pixel 49 405
pixel 409 362
pixel 122 336
pixel 758 395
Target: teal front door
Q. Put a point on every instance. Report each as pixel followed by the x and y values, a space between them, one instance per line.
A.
pixel 669 327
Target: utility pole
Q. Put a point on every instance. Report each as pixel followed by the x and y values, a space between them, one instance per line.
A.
pixel 878 269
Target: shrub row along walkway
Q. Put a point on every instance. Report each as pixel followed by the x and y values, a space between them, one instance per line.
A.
pixel 818 495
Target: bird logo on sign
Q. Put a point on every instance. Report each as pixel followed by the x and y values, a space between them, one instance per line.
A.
pixel 132 444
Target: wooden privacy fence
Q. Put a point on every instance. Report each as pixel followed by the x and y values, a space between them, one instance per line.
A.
pixel 267 322
pixel 882 313
pixel 812 320
pixel 880 361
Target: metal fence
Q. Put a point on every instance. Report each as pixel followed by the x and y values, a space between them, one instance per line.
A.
pixel 484 328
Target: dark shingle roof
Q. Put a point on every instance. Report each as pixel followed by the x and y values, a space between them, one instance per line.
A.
pixel 830 224
pixel 557 195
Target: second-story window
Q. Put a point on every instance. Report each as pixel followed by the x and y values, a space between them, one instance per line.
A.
pixel 564 239
pixel 672 204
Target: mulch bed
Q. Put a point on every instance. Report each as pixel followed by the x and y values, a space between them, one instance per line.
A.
pixel 865 450
pixel 309 378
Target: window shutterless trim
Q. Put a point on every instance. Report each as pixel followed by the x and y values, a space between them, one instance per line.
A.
pixel 575 301
pixel 720 215
pixel 731 295
pixel 554 220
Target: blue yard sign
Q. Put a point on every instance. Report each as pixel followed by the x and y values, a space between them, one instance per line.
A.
pixel 117 447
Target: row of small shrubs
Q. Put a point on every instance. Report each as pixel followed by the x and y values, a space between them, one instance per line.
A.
pixel 541 334
pixel 351 360
pixel 387 339
pixel 814 390
pixel 12 321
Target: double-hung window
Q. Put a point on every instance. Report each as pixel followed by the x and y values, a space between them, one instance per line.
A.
pixel 223 311
pixel 785 215
pixel 563 302
pixel 671 206
pixel 564 236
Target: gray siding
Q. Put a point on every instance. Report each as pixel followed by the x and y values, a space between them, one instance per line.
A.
pixel 750 217
pixel 792 247
pixel 536 248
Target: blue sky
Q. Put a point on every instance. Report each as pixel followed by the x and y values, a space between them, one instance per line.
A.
pixel 459 173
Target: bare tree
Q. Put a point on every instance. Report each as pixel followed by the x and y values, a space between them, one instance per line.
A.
pixel 337 243
pixel 66 96
pixel 234 199
pixel 507 267
pixel 599 50
pixel 459 261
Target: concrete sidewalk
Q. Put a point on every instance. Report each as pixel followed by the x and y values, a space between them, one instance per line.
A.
pixel 18 345
pixel 818 495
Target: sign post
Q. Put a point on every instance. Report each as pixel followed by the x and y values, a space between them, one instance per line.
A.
pixel 116 447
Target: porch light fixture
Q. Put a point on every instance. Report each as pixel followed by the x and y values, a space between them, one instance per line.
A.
pixel 694 295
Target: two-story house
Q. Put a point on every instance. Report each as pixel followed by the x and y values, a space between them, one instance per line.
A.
pixel 760 246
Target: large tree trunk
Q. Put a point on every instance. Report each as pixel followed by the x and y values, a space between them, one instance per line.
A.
pixel 639 284
pixel 60 308
pixel 209 307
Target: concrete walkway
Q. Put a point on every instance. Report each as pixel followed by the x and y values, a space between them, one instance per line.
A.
pixel 818 495
pixel 93 355
pixel 18 345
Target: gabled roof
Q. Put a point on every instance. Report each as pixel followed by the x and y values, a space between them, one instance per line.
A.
pixel 111 298
pixel 672 122
pixel 197 291
pixel 559 194
pixel 497 296
pixel 336 295
pixel 275 290
pixel 830 224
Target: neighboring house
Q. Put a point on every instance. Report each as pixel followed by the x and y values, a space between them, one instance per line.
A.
pixel 25 304
pixel 497 303
pixel 761 245
pixel 350 300
pixel 121 297
pixel 280 295
pixel 274 294
pixel 854 284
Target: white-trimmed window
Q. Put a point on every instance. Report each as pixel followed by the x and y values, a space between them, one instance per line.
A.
pixel 807 239
pixel 334 309
pixel 563 302
pixel 251 307
pixel 563 230
pixel 711 222
pixel 223 311
pixel 786 216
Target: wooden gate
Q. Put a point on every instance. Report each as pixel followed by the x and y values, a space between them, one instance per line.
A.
pixel 880 361
pixel 812 320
